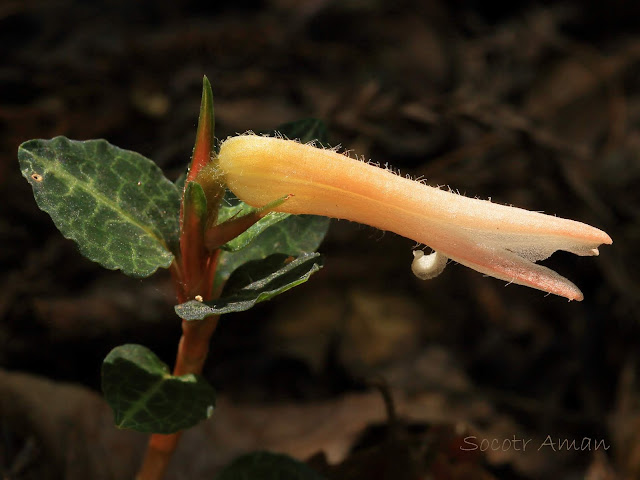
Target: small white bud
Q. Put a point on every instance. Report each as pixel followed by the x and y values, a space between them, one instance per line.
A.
pixel 426 267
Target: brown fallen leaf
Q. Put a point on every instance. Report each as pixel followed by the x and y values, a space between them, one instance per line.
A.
pixel 72 428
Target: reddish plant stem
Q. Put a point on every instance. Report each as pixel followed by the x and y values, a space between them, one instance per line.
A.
pixel 156 459
pixel 192 353
pixel 194 345
pixel 193 272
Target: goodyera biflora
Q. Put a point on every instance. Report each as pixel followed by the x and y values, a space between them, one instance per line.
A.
pixel 496 240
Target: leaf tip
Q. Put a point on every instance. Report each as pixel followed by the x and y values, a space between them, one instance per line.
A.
pixel 204 148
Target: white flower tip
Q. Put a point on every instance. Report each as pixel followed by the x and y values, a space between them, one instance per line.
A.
pixel 426 267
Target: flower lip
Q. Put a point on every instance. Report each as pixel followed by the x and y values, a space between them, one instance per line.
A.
pixel 497 240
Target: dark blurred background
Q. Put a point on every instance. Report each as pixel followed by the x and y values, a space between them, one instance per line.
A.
pixel 536 105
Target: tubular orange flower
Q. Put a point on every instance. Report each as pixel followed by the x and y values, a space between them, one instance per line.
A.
pixel 497 240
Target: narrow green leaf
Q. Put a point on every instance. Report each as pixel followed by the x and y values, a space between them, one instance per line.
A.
pixel 145 397
pixel 195 203
pixel 236 209
pixel 115 204
pixel 267 466
pixel 293 236
pixel 245 238
pixel 275 275
pixel 204 146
